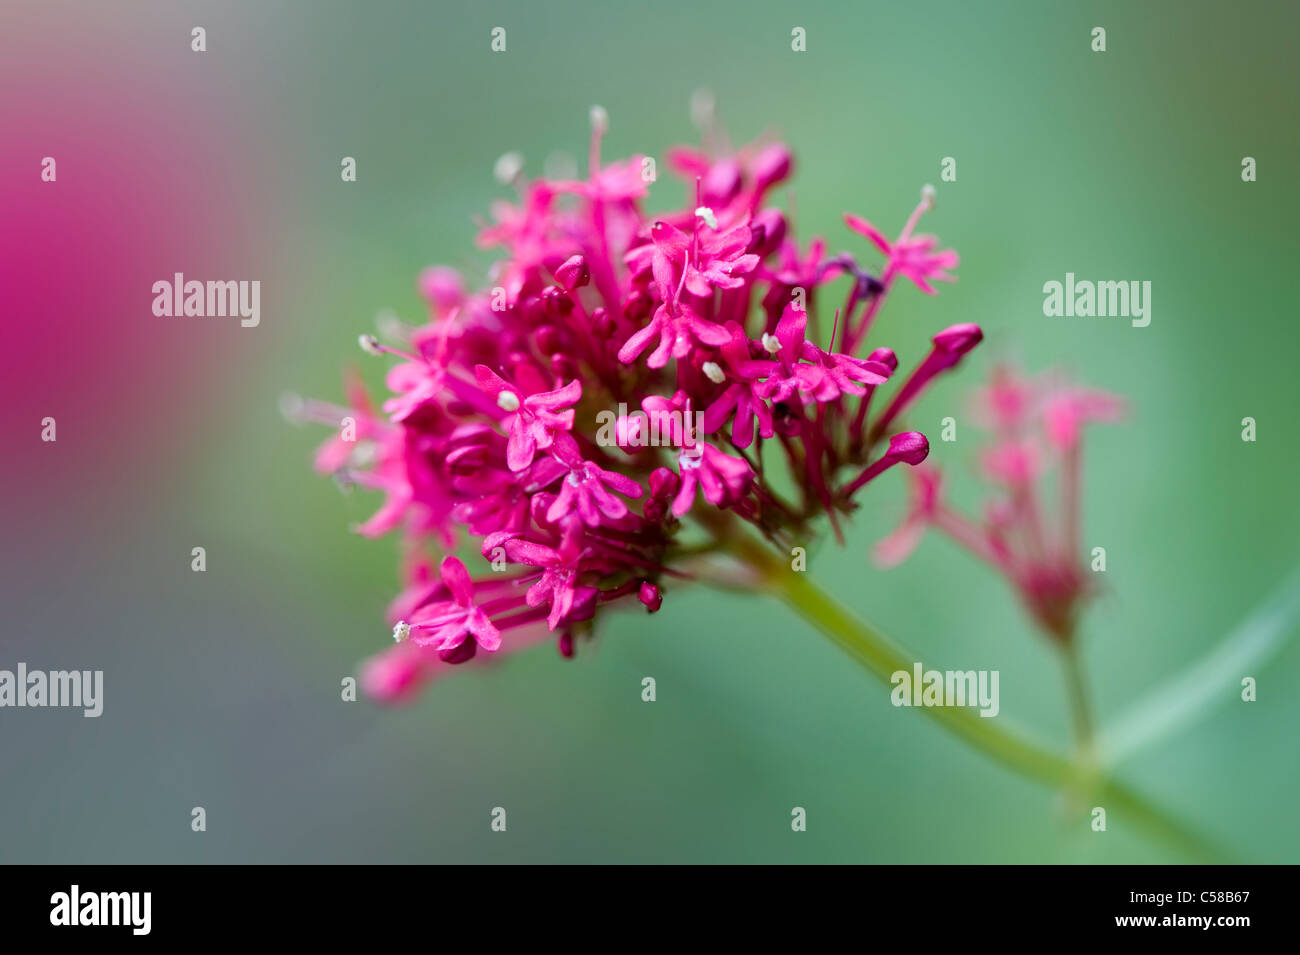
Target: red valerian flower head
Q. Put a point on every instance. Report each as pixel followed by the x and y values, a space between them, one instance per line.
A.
pixel 507 420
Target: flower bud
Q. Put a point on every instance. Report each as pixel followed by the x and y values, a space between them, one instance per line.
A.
pixel 547 338
pixel 601 323
pixel 650 596
pixel 771 166
pixel 460 654
pixel 636 306
pixel 574 273
pixel 767 232
pixel 959 339
pixel 885 356
pixel 722 182
pixel 555 302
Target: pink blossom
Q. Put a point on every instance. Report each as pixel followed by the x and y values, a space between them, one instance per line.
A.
pixel 535 419
pixel 1036 426
pixel 722 478
pixel 444 624
pixel 758 407
pixel 911 256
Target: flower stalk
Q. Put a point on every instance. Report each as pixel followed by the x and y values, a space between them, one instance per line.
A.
pixel 881 656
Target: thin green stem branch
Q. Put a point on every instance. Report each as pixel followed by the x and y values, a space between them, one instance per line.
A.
pixel 1080 711
pixel 1028 757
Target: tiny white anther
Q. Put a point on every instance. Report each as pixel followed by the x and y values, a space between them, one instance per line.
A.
pixel 508 168
pixel 705 213
pixel 291 406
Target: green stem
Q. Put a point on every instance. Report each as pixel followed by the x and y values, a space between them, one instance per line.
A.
pixel 882 657
pixel 1080 712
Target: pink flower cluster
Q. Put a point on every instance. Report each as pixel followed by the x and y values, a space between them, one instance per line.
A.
pixel 1037 426
pixel 703 322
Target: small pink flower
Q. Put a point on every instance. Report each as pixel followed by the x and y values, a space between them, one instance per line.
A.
pixel 444 624
pixel 558 587
pixel 533 420
pixel 898 546
pixel 1012 462
pixel 1035 547
pixel 830 376
pixel 585 490
pixel 1069 410
pixel 678 331
pixel 913 257
pixel 723 479
pixel 398 673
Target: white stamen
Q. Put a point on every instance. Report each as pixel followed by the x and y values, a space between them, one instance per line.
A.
pixel 369 343
pixel 401 631
pixel 714 373
pixel 390 326
pixel 705 213
pixel 703 109
pixel 508 401
pixel 599 119
pixel 365 454
pixel 927 196
pixel 508 168
pixel 771 344
pixel 291 406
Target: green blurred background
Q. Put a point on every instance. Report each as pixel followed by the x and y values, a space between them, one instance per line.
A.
pixel 222 689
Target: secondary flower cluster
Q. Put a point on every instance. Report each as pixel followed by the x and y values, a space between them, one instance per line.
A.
pixel 703 319
pixel 1037 425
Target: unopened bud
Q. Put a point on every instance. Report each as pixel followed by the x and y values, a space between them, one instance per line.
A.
pixel 650 595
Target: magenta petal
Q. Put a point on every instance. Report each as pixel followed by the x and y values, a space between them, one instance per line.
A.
pixel 522 447
pixel 456 577
pixel 560 398
pixel 686 494
pixel 531 552
pixel 635 345
pixel 490 381
pixel 865 228
pixel 791 328
pixel 487 636
pixel 710 333
pixel 715 416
